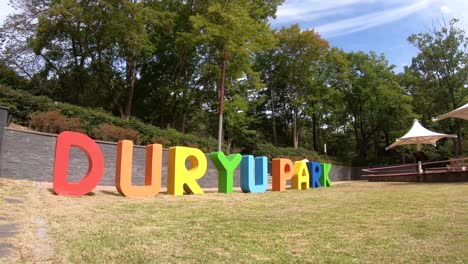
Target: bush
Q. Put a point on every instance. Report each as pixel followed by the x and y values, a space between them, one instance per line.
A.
pixel 102 125
pixel 22 104
pixel 291 153
pixel 160 140
pixel 109 132
pixel 54 122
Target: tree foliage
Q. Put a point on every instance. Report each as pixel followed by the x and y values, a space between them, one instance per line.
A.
pixel 160 62
pixel 292 72
pixel 441 68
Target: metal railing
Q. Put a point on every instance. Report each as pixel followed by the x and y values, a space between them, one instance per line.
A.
pixel 451 165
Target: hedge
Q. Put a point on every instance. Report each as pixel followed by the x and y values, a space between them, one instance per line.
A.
pixel 45 115
pixel 25 108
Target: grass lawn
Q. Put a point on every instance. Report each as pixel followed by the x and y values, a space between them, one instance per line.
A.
pixel 357 222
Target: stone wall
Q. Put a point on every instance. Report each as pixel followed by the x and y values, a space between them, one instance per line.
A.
pixel 30 155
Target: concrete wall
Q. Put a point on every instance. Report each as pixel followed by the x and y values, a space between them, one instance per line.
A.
pixel 30 156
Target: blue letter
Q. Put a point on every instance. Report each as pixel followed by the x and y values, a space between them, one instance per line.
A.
pixel 315 172
pixel 257 183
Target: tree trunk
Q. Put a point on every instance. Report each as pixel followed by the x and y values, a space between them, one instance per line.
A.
pixel 459 141
pixel 228 146
pixel 314 132
pixel 295 131
pixel 130 77
pixel 273 120
pixel 184 121
pixel 107 81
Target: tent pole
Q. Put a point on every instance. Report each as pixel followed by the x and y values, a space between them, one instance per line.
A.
pixel 418 148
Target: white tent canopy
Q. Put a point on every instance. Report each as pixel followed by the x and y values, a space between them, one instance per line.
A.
pixel 461 112
pixel 418 135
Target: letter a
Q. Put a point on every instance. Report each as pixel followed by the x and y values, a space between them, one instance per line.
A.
pixel 65 141
pixel 123 170
pixel 254 177
pixel 179 178
pixel 300 179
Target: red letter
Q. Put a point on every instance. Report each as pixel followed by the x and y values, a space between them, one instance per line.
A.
pixel 69 139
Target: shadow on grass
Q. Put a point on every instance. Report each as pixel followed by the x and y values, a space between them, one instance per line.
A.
pixel 51 190
pixel 110 193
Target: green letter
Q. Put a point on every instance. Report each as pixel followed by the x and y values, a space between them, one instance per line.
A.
pixel 226 167
pixel 325 180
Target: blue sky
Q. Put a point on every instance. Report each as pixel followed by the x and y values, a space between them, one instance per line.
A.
pixel 379 25
pixel 372 25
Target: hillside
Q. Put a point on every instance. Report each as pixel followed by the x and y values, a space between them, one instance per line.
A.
pixel 42 114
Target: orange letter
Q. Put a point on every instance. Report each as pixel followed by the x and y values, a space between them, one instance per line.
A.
pixel 65 141
pixel 123 170
pixel 282 170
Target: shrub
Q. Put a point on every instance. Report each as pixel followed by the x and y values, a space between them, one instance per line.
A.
pixel 291 153
pixel 102 125
pixel 109 132
pixel 22 104
pixel 54 122
pixel 163 141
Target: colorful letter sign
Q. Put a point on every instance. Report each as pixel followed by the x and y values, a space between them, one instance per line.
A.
pixel 123 170
pixel 315 172
pixel 185 167
pixel 325 180
pixel 254 177
pixel 226 167
pixel 282 170
pixel 65 141
pixel 180 178
pixel 300 179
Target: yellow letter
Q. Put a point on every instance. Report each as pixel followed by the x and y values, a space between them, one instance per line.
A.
pixel 300 179
pixel 179 178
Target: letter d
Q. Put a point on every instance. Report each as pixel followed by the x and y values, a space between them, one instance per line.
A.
pixel 65 141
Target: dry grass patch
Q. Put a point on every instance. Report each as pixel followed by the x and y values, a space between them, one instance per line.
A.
pixel 353 222
pixel 21 209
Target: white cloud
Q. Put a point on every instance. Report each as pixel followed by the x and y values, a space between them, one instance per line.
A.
pixel 340 17
pixel 445 9
pixel 313 9
pixel 453 9
pixel 359 23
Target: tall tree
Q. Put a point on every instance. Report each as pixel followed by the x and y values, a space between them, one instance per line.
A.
pixel 183 73
pixel 442 64
pixel 230 32
pixel 105 40
pixel 292 72
pixel 15 34
pixel 375 103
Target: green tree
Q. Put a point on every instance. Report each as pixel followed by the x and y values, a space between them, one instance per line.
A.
pixel 231 32
pixel 375 103
pixel 183 73
pixel 292 71
pixel 442 69
pixel 15 34
pixel 87 43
